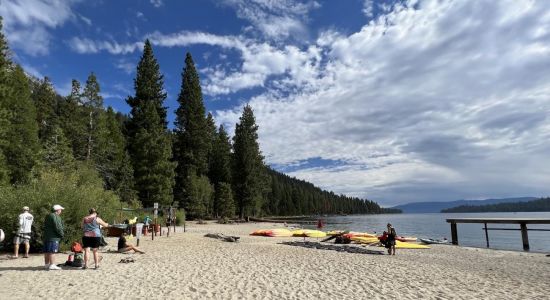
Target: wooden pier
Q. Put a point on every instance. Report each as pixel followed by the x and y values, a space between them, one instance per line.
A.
pixel 522 226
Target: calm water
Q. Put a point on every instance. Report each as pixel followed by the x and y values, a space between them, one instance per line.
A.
pixel 433 225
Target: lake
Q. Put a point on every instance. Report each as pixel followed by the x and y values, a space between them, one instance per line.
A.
pixel 433 225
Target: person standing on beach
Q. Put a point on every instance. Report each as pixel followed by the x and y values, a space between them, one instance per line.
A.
pixel 53 232
pixel 23 233
pixel 92 236
pixel 390 240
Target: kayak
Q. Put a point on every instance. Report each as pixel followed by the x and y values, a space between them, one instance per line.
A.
pixel 432 241
pixel 277 232
pixel 406 238
pixel 260 232
pixel 406 245
pixel 309 233
pixel 360 234
pixel 335 232
pixel 364 240
pixel 398 244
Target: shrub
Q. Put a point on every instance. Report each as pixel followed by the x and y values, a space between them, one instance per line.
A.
pixel 76 190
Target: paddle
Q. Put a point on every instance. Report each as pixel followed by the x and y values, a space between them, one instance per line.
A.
pixel 334 236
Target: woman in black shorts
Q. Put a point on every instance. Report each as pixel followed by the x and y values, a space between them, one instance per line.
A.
pixel 92 236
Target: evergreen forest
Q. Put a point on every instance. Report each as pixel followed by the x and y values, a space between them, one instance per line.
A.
pixel 72 150
pixel 542 204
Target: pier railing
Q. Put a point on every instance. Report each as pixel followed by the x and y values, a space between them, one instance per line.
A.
pixel 522 224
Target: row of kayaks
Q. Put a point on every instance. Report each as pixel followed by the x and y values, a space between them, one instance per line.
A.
pixel 283 232
pixel 358 237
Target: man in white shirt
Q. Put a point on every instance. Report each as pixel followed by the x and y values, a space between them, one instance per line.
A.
pixel 23 234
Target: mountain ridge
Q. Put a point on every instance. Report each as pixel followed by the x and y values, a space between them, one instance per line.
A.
pixel 436 207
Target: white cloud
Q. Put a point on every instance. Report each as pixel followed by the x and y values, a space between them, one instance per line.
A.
pixel 156 3
pixel 30 70
pixel 277 20
pixel 368 8
pixel 126 66
pixel 85 20
pixel 85 45
pixel 140 15
pixel 27 22
pixel 443 101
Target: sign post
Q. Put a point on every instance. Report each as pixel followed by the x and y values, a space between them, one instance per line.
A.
pixel 155 214
pixel 139 228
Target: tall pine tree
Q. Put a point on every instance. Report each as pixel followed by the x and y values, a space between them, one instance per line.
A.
pixel 219 170
pixel 73 119
pixel 93 104
pixel 22 149
pixel 248 170
pixel 149 143
pixel 111 158
pixel 45 101
pixel 192 141
pixel 5 92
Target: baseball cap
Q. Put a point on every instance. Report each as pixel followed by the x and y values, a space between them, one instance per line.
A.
pixel 26 208
pixel 58 207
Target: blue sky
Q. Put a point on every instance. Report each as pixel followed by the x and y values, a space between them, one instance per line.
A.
pixel 395 101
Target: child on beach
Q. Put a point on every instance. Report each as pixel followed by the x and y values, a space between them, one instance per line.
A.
pixel 124 247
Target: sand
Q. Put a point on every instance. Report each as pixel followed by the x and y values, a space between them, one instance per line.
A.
pixel 190 266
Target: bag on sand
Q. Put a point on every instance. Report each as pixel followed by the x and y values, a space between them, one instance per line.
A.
pixel 78 260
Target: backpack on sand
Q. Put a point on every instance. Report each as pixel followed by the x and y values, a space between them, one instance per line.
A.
pixel 78 260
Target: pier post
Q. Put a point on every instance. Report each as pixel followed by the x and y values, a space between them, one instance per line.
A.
pixel 524 236
pixel 454 234
pixel 486 235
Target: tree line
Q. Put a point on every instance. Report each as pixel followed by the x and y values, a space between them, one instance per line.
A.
pixel 542 204
pixel 138 157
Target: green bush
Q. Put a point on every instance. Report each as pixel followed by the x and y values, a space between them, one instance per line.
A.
pixel 76 190
pixel 180 217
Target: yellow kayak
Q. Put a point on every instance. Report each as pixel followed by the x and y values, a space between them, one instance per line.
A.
pixel 398 244
pixel 309 233
pixel 361 234
pixel 364 240
pixel 405 245
pixel 276 232
pixel 334 232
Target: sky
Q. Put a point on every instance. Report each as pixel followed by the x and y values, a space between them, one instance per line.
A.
pixel 396 101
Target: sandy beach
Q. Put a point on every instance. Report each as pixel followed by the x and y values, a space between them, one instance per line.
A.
pixel 191 266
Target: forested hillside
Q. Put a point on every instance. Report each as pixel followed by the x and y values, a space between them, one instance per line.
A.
pixel 139 158
pixel 542 204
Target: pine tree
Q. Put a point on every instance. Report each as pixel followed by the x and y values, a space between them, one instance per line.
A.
pixel 22 147
pixel 192 139
pixel 149 143
pixel 201 191
pixel 4 123
pixel 57 153
pixel 111 158
pixel 73 119
pixel 219 170
pixel 148 85
pixel 93 103
pixel 5 91
pixel 45 101
pixel 225 199
pixel 248 167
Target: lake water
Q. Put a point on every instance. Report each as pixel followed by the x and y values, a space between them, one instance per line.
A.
pixel 434 225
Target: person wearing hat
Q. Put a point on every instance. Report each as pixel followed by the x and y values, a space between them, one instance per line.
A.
pixel 23 233
pixel 53 232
